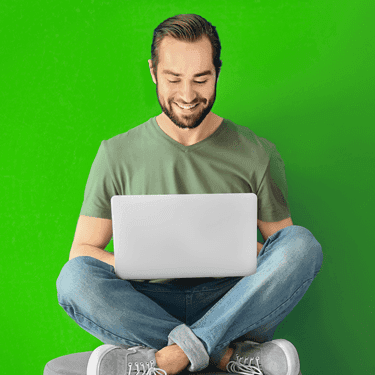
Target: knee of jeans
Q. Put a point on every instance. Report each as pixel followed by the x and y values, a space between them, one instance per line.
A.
pixel 73 274
pixel 308 245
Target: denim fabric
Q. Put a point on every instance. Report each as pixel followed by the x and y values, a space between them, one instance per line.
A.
pixel 202 316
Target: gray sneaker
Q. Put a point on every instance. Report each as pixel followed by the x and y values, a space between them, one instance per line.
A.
pixel 115 360
pixel 276 357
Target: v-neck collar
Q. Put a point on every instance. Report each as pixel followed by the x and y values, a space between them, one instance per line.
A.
pixel 190 147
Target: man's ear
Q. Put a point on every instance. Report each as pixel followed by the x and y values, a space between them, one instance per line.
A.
pixel 152 71
pixel 220 70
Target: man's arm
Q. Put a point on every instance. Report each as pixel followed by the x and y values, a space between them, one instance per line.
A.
pixel 91 238
pixel 268 228
pixel 93 252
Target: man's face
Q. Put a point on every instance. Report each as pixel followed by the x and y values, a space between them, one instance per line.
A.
pixel 186 89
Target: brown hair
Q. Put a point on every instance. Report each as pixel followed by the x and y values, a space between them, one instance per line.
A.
pixel 190 28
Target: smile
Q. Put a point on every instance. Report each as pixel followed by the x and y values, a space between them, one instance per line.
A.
pixel 187 107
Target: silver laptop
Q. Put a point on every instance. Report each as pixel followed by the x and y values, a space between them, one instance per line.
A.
pixel 184 235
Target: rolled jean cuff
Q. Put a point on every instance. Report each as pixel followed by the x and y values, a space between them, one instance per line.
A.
pixel 184 337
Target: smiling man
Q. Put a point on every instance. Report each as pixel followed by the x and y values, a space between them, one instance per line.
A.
pixel 186 90
pixel 177 324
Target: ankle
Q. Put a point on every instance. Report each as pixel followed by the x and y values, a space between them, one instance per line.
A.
pixel 171 359
pixel 225 360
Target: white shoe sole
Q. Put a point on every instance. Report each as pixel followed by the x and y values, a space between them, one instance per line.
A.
pixel 291 356
pixel 97 356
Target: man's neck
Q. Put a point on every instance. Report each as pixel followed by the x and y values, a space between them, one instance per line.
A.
pixel 188 137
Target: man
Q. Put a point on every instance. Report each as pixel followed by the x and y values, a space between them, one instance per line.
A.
pixel 187 149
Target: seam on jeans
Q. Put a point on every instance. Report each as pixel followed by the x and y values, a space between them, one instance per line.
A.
pixel 89 320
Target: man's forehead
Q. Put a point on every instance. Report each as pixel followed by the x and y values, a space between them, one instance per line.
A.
pixel 170 48
pixel 170 40
pixel 172 61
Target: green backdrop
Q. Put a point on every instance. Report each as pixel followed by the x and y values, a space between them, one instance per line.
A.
pixel 299 73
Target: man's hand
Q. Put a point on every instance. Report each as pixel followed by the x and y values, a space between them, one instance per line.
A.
pixel 259 247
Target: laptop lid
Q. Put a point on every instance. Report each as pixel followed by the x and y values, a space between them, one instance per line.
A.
pixel 184 235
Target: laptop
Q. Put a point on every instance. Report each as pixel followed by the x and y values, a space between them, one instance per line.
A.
pixel 184 235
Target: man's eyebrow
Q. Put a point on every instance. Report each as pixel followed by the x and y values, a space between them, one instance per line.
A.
pixel 206 72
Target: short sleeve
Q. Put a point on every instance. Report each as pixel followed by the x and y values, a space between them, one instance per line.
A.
pixel 273 190
pixel 99 187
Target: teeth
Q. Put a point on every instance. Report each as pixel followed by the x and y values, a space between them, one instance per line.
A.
pixel 186 107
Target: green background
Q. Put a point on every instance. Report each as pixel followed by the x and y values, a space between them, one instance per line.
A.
pixel 299 73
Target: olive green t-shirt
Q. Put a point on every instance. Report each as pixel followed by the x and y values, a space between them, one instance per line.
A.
pixel 146 161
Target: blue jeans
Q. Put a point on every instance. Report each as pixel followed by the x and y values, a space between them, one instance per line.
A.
pixel 202 316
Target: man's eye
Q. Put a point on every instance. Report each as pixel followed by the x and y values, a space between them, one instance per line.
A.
pixel 179 81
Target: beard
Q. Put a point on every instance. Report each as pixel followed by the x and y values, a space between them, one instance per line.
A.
pixel 185 119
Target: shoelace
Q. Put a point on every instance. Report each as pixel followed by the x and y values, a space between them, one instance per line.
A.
pixel 151 369
pixel 243 368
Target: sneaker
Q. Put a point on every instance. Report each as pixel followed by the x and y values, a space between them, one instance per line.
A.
pixel 276 357
pixel 116 360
